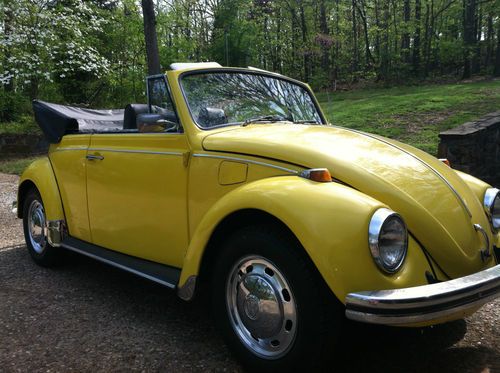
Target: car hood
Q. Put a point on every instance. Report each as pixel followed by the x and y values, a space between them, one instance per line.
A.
pixel 438 207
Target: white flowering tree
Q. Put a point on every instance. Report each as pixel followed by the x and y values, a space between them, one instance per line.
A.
pixel 47 40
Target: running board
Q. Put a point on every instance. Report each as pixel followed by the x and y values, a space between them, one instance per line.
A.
pixel 160 273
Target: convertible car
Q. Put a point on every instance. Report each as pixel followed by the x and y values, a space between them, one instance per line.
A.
pixel 231 183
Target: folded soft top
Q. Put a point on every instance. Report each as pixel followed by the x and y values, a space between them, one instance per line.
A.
pixel 57 120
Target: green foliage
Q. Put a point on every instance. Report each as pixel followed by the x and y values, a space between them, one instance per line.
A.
pixel 235 33
pixel 23 124
pixel 12 106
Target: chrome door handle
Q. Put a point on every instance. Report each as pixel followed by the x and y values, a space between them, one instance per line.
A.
pixel 92 157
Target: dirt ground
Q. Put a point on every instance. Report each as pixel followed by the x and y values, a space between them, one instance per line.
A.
pixel 88 317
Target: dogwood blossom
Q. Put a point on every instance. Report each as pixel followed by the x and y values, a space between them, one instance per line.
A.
pixel 47 39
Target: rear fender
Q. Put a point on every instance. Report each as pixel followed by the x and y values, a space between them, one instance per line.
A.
pixel 40 175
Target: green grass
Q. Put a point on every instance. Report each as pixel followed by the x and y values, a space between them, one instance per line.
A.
pixel 15 166
pixel 412 114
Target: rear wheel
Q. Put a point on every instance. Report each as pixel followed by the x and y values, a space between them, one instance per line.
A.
pixel 35 231
pixel 271 304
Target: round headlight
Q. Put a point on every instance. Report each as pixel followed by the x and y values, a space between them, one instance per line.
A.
pixel 388 239
pixel 492 206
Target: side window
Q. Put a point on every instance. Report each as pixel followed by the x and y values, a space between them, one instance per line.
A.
pixel 159 99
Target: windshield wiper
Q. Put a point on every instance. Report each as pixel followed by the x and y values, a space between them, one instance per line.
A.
pixel 264 118
pixel 306 121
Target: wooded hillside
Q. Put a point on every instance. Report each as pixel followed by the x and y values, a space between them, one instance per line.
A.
pixel 92 52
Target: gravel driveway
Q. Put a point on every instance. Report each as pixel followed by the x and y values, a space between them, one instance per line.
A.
pixel 88 317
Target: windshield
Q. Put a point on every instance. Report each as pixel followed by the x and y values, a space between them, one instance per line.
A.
pixel 226 98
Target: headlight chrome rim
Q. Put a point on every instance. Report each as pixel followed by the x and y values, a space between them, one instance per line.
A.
pixel 377 223
pixel 490 196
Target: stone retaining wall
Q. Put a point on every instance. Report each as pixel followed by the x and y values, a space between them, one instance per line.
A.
pixel 12 145
pixel 474 147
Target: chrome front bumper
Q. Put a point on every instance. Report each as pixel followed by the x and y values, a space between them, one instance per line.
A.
pixel 425 304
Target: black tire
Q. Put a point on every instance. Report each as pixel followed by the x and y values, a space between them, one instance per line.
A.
pixel 318 314
pixel 39 249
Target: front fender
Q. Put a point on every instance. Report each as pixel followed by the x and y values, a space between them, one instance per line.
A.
pixel 331 222
pixel 40 174
pixel 477 186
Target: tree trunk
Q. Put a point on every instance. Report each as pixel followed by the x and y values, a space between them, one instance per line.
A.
pixel 305 49
pixel 323 25
pixel 496 71
pixel 476 57
pixel 278 62
pixel 355 51
pixel 469 15
pixel 34 85
pixel 416 38
pixel 377 31
pixel 489 42
pixel 368 54
pixel 429 33
pixel 405 40
pixel 337 43
pixel 384 57
pixel 7 24
pixel 152 53
pixel 265 26
pixel 394 22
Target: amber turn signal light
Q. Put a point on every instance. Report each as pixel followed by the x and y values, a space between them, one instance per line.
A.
pixel 320 175
pixel 445 161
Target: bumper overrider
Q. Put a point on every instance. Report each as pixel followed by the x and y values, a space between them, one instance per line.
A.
pixel 425 304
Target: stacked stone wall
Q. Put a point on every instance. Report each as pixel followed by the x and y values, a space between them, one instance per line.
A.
pixel 474 147
pixel 14 145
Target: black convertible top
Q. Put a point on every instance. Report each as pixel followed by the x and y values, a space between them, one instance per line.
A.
pixel 57 120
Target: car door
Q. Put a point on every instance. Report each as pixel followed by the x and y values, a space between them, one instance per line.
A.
pixel 70 168
pixel 136 185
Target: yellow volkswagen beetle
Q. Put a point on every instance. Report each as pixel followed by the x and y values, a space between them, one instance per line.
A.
pixel 231 182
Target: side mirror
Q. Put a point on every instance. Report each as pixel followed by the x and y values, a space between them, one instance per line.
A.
pixel 153 123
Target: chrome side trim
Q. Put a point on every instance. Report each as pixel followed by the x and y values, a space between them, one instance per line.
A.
pixel 425 303
pixel 118 265
pixel 436 172
pixel 70 148
pixel 203 155
pixel 55 232
pixel 132 151
pixel 186 291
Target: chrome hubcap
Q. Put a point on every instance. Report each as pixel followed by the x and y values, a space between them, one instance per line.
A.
pixel 262 310
pixel 36 226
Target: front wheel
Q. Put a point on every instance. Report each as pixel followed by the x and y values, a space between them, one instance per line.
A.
pixel 271 304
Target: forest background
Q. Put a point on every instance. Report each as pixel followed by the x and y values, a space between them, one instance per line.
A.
pixel 93 52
